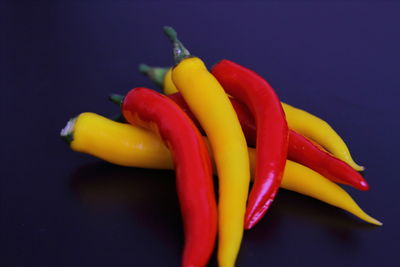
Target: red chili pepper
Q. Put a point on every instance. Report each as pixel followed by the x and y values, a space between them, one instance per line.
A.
pixel 300 149
pixel 304 151
pixel 151 110
pixel 272 133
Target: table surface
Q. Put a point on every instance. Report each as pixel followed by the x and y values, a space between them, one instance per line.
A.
pixel 60 208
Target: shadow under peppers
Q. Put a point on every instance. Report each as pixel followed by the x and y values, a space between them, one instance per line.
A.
pixel 150 196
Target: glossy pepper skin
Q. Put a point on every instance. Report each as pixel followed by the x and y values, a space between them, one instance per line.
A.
pixel 319 131
pixel 307 153
pixel 272 132
pixel 300 149
pixel 127 145
pixel 153 111
pixel 298 120
pixel 212 108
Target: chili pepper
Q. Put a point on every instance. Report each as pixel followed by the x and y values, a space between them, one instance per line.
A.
pixel 303 180
pixel 153 111
pixel 306 152
pixel 301 149
pixel 272 133
pixel 127 145
pixel 299 120
pixel 212 108
pixel 117 143
pixel 160 76
pixel 319 131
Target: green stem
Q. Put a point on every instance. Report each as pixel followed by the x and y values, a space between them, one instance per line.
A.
pixel 155 74
pixel 116 99
pixel 180 52
pixel 118 118
pixel 67 133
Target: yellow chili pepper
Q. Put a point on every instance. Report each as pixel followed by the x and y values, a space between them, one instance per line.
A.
pixel 319 131
pixel 126 145
pixel 211 106
pixel 160 76
pixel 118 143
pixel 169 85
pixel 300 121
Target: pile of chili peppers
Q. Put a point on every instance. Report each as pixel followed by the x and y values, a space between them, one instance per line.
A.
pixel 228 122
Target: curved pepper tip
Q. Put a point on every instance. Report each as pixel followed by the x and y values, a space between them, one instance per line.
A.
pixel 358 167
pixel 249 225
pixel 363 185
pixel 254 216
pixel 250 222
pixel 354 165
pixel 373 221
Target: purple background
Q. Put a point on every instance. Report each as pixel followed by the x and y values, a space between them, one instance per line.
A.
pixel 339 61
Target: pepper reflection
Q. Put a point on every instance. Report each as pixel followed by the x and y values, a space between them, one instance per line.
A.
pixel 151 196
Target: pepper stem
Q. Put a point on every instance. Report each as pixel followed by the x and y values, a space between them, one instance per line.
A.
pixel 180 52
pixel 116 99
pixel 68 131
pixel 155 74
pixel 118 118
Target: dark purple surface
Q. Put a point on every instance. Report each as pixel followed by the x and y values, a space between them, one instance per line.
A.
pixel 59 208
